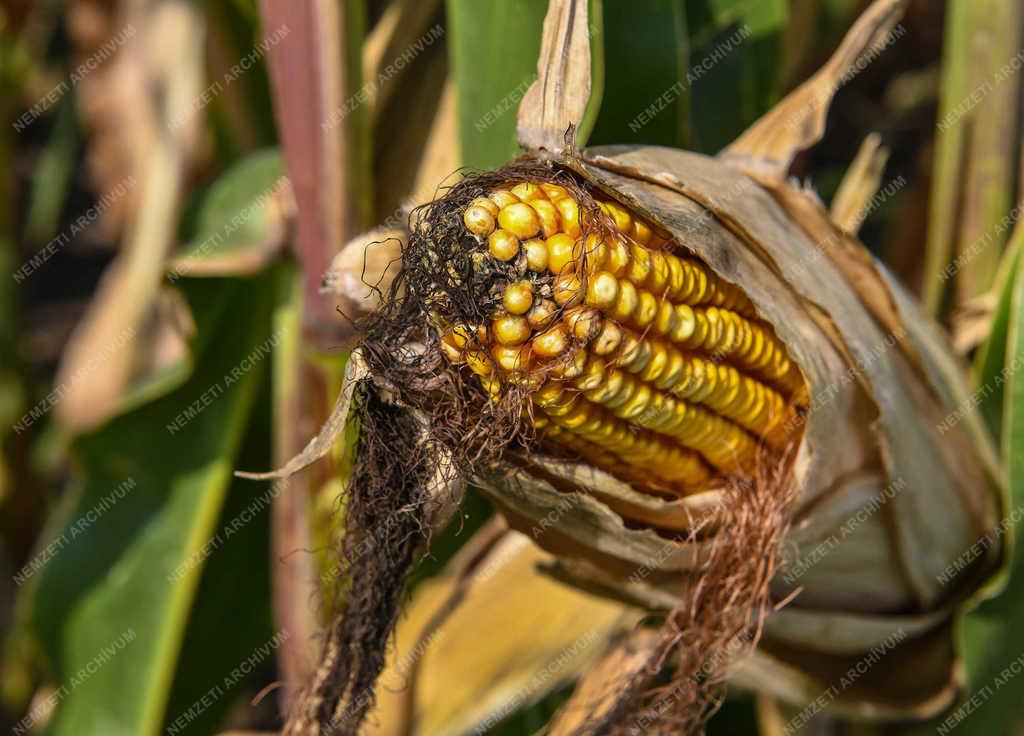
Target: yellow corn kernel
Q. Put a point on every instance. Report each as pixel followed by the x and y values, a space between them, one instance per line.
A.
pixel 550 223
pixel 502 198
pixel 563 252
pixel 511 330
pixel 520 219
pixel 513 357
pixel 536 255
pixel 503 245
pixel 602 290
pixel 518 297
pixel 552 342
pixel 567 289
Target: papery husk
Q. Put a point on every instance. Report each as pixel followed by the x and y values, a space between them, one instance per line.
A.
pixel 877 431
pixel 489 635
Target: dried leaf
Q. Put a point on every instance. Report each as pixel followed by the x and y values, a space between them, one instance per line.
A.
pixel 798 121
pixel 556 104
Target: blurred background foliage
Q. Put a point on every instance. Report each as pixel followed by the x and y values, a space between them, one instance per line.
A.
pixel 150 246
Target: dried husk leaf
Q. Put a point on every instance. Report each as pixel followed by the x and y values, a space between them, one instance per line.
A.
pixel 883 382
pixel 558 101
pixel 450 673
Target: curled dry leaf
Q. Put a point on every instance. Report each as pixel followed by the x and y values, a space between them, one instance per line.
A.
pixel 165 60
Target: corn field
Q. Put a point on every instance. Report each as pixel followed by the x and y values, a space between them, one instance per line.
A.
pixel 507 367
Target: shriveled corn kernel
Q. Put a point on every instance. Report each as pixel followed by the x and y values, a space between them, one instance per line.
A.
pixel 567 289
pixel 520 219
pixel 479 220
pixel 541 314
pixel 573 365
pixel 583 322
pixel 454 354
pixel 459 336
pixel 479 362
pixel 518 297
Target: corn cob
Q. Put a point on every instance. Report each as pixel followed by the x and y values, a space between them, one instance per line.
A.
pixel 636 355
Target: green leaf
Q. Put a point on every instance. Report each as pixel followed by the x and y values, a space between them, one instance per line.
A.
pixel 232 606
pixel 736 65
pixel 646 94
pixel 493 48
pixel 968 203
pixel 992 356
pixel 991 634
pixel 113 602
pixel 236 225
pixel 52 177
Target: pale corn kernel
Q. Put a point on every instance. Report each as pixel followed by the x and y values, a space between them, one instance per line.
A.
pixel 536 255
pixel 502 198
pixel 583 322
pixel 602 290
pixel 541 314
pixel 454 354
pixel 608 340
pixel 487 204
pixel 478 220
pixel 573 367
pixel 567 289
pixel 503 245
